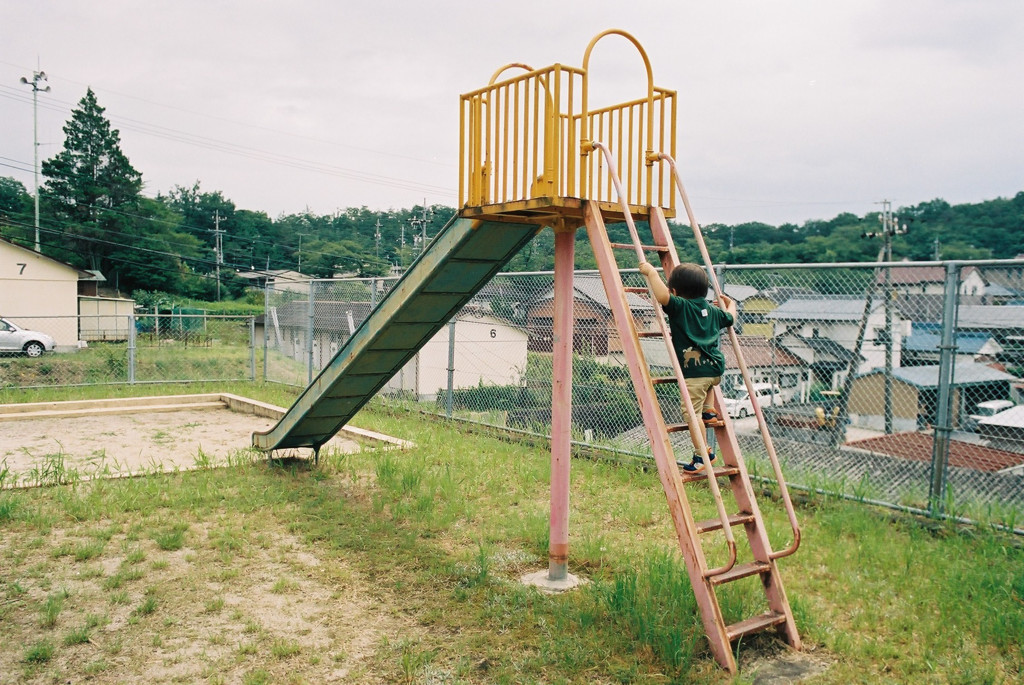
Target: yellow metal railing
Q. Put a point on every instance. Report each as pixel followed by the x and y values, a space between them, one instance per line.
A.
pixel 529 136
pixel 512 133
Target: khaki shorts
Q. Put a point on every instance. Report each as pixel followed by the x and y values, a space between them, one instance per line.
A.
pixel 698 388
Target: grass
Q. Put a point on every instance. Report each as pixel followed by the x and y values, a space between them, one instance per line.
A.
pixel 404 567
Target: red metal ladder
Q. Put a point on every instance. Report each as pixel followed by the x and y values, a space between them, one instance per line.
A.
pixel 689 532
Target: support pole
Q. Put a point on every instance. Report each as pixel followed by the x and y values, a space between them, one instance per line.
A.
pixel 310 331
pixel 131 348
pixel 561 404
pixel 451 367
pixel 252 348
pixel 943 420
pixel 887 294
pixel 266 318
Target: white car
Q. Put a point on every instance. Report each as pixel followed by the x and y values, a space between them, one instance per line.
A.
pixel 14 338
pixel 738 404
pixel 985 410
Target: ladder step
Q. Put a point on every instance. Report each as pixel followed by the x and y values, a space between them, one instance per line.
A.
pixel 754 624
pixel 716 524
pixel 676 427
pixel 650 334
pixel 721 472
pixel 741 571
pixel 640 291
pixel 645 248
pixel 660 380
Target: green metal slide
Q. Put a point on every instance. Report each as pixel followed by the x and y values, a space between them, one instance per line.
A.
pixel 459 261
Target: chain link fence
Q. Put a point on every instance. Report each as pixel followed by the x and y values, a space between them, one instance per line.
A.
pixel 159 347
pixel 897 383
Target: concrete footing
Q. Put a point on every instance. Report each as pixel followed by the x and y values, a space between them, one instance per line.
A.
pixel 540 580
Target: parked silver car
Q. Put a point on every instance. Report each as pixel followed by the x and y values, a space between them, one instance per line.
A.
pixel 738 405
pixel 14 338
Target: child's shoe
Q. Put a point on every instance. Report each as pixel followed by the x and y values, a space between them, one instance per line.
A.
pixel 711 418
pixel 697 465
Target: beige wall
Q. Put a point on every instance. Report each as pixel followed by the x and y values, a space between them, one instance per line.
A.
pixel 479 357
pixel 868 397
pixel 38 293
pixel 104 318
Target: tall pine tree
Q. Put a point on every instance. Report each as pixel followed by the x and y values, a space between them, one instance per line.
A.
pixel 91 190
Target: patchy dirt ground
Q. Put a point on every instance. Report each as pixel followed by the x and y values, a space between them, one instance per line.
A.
pixel 217 597
pixel 129 443
pixel 229 606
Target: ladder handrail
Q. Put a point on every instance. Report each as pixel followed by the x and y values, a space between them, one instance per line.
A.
pixel 676 368
pixel 762 424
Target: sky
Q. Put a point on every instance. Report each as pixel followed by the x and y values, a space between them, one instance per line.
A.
pixel 790 110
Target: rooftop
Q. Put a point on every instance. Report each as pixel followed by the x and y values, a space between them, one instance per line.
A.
pixel 918 447
pixel 822 308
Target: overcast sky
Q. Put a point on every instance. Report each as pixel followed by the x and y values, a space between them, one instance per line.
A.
pixel 789 110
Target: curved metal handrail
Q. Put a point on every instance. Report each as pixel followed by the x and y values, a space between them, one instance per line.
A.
pixel 584 105
pixel 691 414
pixel 734 338
pixel 551 132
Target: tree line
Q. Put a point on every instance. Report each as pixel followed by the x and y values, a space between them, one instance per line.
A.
pixel 93 215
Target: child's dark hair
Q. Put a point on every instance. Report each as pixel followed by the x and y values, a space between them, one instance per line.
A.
pixel 688 281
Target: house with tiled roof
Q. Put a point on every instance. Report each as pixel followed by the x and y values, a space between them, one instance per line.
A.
pixel 839 319
pixel 931 280
pixel 594 330
pixel 922 346
pixel 826 361
pixel 754 309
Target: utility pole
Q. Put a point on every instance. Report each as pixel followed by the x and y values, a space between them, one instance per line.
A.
pixel 421 224
pixel 890 227
pixel 37 76
pixel 220 247
pixel 376 238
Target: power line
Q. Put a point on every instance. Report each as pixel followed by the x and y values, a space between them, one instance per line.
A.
pixel 194 229
pixel 175 135
pixel 61 230
pixel 258 127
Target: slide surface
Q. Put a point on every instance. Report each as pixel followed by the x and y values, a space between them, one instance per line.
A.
pixel 459 261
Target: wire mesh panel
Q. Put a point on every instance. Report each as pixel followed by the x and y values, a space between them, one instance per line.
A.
pixel 307 322
pixel 845 364
pixel 159 346
pixel 35 351
pixel 182 346
pixel 898 383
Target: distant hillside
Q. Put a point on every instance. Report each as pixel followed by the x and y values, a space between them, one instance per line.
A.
pixel 993 229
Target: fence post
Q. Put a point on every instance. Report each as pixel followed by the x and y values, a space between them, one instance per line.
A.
pixel 266 324
pixel 252 348
pixel 943 418
pixel 131 349
pixel 451 365
pixel 309 337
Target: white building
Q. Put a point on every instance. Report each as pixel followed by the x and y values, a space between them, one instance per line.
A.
pixel 40 293
pixel 488 351
pixel 838 318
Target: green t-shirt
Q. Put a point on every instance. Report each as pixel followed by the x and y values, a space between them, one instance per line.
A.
pixel 695 326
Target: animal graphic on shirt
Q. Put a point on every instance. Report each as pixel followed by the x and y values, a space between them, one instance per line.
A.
pixel 691 354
